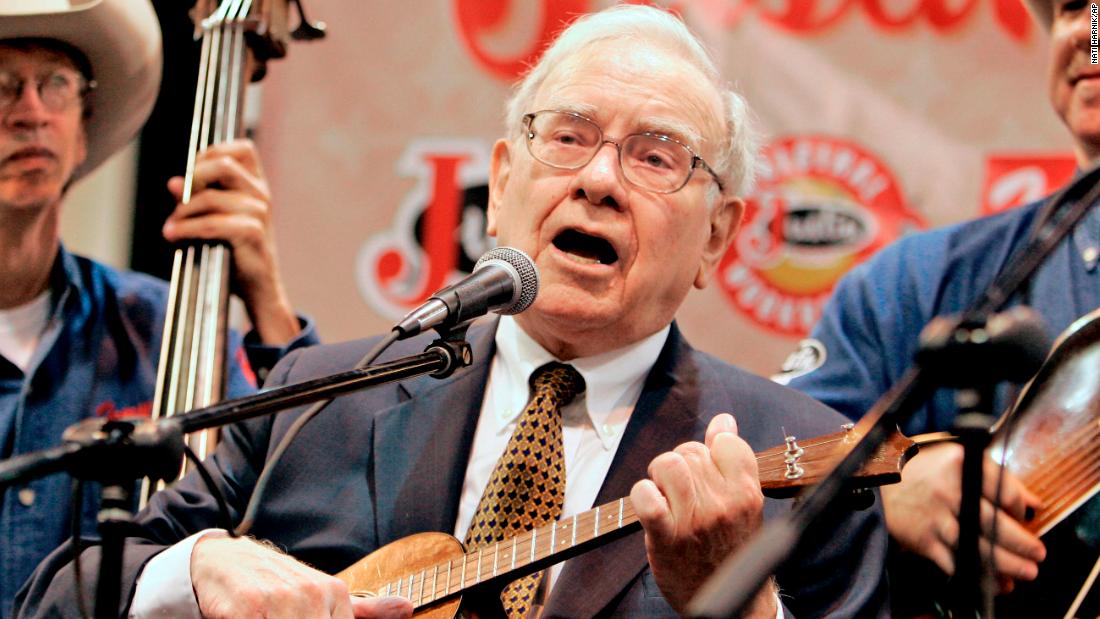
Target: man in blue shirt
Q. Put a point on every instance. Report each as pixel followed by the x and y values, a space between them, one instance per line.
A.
pixel 78 338
pixel 869 332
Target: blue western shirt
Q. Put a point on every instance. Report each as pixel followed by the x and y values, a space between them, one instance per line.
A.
pixel 870 332
pixel 871 326
pixel 100 358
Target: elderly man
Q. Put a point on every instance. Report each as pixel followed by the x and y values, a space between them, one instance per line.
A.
pixel 871 326
pixel 78 338
pixel 620 176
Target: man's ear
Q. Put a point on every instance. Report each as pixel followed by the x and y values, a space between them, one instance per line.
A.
pixel 80 156
pixel 500 165
pixel 725 220
pixel 82 145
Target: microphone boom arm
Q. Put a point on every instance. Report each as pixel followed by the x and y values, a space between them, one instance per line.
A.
pixel 440 360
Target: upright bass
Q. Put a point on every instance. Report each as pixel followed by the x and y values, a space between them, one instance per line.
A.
pixel 238 38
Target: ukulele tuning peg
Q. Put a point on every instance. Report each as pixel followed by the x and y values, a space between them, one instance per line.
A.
pixel 793 453
pixel 849 432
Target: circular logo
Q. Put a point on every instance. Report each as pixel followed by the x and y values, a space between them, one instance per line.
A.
pixel 809 356
pixel 822 205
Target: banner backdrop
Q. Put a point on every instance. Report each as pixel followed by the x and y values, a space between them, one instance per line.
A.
pixel 879 117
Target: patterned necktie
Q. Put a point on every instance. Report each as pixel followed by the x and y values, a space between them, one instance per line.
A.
pixel 527 486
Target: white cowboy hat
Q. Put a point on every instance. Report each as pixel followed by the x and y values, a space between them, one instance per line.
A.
pixel 121 41
pixel 1042 10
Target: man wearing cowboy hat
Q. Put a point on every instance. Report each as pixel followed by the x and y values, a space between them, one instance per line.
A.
pixel 78 79
pixel 871 326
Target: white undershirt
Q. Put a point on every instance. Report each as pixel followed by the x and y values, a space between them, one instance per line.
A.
pixel 21 329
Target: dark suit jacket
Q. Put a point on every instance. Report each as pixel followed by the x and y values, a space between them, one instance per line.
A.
pixel 389 462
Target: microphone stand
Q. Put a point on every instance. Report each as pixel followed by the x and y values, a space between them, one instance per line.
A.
pixel 734 584
pixel 117 452
pixel 973 358
pixel 973 426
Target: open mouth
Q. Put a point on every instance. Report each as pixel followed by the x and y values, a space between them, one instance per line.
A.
pixel 585 247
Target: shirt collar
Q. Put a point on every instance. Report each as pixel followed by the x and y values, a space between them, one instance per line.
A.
pixel 65 280
pixel 613 380
pixel 1086 238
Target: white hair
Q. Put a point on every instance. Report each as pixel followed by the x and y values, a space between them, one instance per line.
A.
pixel 736 162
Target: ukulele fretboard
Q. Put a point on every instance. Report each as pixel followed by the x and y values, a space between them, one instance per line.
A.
pixel 448 578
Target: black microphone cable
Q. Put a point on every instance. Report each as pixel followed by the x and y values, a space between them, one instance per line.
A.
pixel 292 432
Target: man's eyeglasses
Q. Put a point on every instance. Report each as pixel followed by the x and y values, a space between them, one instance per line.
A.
pixel 650 161
pixel 57 89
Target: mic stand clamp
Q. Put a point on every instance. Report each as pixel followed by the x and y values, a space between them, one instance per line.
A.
pixel 453 348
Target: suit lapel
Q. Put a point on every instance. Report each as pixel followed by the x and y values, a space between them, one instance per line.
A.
pixel 663 418
pixel 421 446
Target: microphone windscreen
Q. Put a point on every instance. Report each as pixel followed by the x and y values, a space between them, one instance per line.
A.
pixel 523 270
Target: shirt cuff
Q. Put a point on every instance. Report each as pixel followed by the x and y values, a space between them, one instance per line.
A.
pixel 263 357
pixel 164 589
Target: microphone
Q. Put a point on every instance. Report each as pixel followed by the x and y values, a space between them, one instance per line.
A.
pixel 1011 345
pixel 505 280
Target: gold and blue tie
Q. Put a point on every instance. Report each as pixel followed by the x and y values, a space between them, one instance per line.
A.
pixel 527 486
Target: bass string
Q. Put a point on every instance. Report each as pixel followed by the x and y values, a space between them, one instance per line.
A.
pixel 1049 473
pixel 1055 504
pixel 1065 479
pixel 199 287
pixel 213 268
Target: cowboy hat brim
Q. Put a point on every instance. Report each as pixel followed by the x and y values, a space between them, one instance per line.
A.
pixel 121 41
pixel 1042 11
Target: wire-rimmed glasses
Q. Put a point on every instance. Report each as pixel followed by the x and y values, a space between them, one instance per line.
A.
pixel 651 161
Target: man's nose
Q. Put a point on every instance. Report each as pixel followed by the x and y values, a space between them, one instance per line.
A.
pixel 28 106
pixel 600 178
pixel 604 165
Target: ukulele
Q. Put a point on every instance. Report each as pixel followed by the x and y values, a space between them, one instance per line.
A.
pixel 435 571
